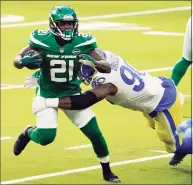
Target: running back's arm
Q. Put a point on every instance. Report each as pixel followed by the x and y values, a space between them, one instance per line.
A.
pixel 20 55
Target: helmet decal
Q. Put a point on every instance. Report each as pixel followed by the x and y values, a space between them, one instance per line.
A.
pixel 86 74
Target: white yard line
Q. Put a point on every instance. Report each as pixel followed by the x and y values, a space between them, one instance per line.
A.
pixel 158 151
pixel 158 69
pixel 43 176
pixel 13 86
pixel 11 18
pixel 5 138
pixel 146 12
pixel 8 86
pixel 79 147
pixel 187 95
pixel 163 33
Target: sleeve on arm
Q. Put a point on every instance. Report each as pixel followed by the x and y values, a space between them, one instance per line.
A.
pixel 187 46
pixel 179 70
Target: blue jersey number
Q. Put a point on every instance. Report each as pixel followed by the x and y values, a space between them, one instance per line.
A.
pixel 135 78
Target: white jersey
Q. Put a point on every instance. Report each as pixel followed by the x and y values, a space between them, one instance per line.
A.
pixel 136 90
pixel 187 47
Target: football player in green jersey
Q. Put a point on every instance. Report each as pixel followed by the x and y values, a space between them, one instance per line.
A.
pixel 63 49
pixel 183 64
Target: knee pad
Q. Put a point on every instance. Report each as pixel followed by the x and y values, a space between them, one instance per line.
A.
pixel 46 136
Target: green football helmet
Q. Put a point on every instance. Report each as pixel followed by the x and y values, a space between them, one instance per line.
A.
pixel 59 16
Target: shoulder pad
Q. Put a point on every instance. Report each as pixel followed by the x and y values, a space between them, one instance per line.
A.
pixel 86 40
pixel 37 37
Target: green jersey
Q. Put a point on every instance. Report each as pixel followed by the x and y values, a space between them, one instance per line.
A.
pixel 58 74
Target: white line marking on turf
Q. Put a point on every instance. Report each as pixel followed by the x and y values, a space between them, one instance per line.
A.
pixel 163 33
pixel 11 86
pixel 158 151
pixel 11 18
pixel 79 147
pixel 111 26
pixel 158 69
pixel 5 138
pixel 187 95
pixel 8 86
pixel 84 169
pixel 146 12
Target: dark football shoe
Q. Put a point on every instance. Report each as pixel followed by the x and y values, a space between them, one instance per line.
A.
pixel 111 177
pixel 22 141
pixel 177 158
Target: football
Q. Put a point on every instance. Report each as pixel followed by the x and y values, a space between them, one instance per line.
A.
pixel 33 53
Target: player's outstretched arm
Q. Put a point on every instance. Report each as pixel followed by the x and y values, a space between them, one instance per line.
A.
pixel 101 64
pixel 182 65
pixel 76 102
pixel 89 98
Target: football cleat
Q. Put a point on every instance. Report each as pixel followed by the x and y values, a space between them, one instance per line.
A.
pixel 22 141
pixel 111 177
pixel 177 158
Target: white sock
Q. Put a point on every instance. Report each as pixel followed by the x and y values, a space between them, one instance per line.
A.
pixel 104 159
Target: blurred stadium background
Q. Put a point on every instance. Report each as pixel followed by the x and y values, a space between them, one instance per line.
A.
pixel 149 35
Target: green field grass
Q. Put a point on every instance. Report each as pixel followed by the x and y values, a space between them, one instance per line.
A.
pixel 126 132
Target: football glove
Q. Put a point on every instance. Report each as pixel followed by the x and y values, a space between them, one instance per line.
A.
pixel 87 60
pixel 31 61
pixel 30 81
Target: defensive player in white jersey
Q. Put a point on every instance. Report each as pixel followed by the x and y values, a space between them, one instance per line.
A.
pixel 182 65
pixel 156 97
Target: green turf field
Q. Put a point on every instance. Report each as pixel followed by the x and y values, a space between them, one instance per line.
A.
pixel 130 141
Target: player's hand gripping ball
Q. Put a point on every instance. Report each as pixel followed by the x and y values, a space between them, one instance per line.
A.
pixel 31 60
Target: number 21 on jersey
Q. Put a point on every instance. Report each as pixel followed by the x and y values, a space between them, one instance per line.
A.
pixel 62 70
